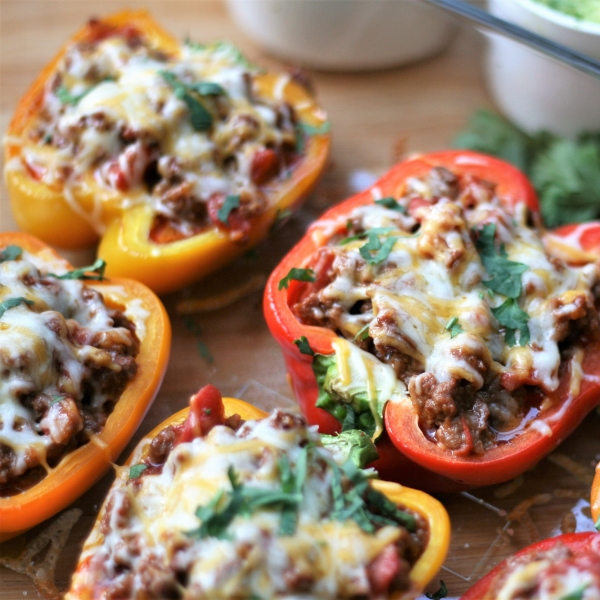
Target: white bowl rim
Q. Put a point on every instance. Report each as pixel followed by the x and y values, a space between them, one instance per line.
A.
pixel 560 18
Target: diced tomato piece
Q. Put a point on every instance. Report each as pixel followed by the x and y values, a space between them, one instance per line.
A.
pixel 265 166
pixel 382 571
pixel 206 411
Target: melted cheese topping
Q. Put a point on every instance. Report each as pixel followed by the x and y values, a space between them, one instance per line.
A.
pixel 110 116
pixel 148 520
pixel 50 349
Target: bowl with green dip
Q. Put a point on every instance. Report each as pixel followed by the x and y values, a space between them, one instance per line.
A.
pixel 534 91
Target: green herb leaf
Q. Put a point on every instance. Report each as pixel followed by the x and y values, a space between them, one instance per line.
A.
pixel 297 275
pixel 513 319
pixel 382 251
pixel 201 119
pixel 12 302
pixel 84 272
pixel 63 94
pixel 56 399
pixel 363 334
pixel 391 203
pixel 441 593
pixel 505 273
pixel 136 470
pixel 207 88
pixel 231 202
pixel 11 253
pixel 597 524
pixel 304 346
pixel 453 326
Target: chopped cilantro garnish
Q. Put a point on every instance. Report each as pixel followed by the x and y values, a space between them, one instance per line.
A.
pixel 576 594
pixel 597 524
pixel 297 275
pixel 12 302
pixel 441 593
pixel 56 399
pixel 11 253
pixel 137 470
pixel 363 334
pixel 453 326
pixel 231 202
pixel 304 346
pixel 505 273
pixel 513 318
pixel 189 93
pixel 66 97
pixel 382 251
pixel 391 203
pixel 84 272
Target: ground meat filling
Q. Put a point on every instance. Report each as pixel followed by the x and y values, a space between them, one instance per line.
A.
pixel 65 359
pixel 251 558
pixel 183 132
pixel 425 309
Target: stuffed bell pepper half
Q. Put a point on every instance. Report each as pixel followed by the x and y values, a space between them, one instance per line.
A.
pixel 434 312
pixel 565 567
pixel 225 501
pixel 82 358
pixel 178 157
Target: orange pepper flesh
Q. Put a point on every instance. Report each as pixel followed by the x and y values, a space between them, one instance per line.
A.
pixel 429 508
pixel 80 469
pixel 125 242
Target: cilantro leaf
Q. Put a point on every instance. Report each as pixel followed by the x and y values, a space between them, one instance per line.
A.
pixel 12 302
pixel 11 253
pixel 597 524
pixel 297 274
pixel 201 119
pixel 512 318
pixel 83 273
pixel 453 326
pixel 231 202
pixel 136 470
pixel 382 251
pixel 304 346
pixel 207 88
pixel 505 274
pixel 391 203
pixel 56 399
pixel 441 593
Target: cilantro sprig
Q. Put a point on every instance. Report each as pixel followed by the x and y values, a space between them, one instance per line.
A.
pixel 85 273
pixel 442 592
pixel 363 333
pixel 12 302
pixel 374 245
pixel 297 274
pixel 506 280
pixel 191 94
pixel 11 252
pixel 136 470
pixel 505 274
pixel 453 326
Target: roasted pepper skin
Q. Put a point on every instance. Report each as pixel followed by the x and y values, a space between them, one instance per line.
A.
pixel 429 508
pixel 80 469
pixel 412 459
pixel 579 543
pixel 124 233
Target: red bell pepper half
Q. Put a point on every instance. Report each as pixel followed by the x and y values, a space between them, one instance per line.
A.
pixel 411 457
pixel 577 553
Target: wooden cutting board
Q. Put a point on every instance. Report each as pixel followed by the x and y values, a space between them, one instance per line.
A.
pixel 377 118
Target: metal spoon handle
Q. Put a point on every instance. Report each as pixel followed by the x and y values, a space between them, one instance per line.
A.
pixel 471 13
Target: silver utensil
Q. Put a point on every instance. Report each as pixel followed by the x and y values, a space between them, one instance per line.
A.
pixel 483 19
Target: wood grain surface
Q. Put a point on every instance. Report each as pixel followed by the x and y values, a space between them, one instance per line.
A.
pixel 376 119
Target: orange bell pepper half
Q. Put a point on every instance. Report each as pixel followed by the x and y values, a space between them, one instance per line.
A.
pixel 81 468
pixel 421 503
pixel 131 241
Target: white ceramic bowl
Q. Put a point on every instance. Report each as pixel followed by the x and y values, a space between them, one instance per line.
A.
pixel 534 91
pixel 343 35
